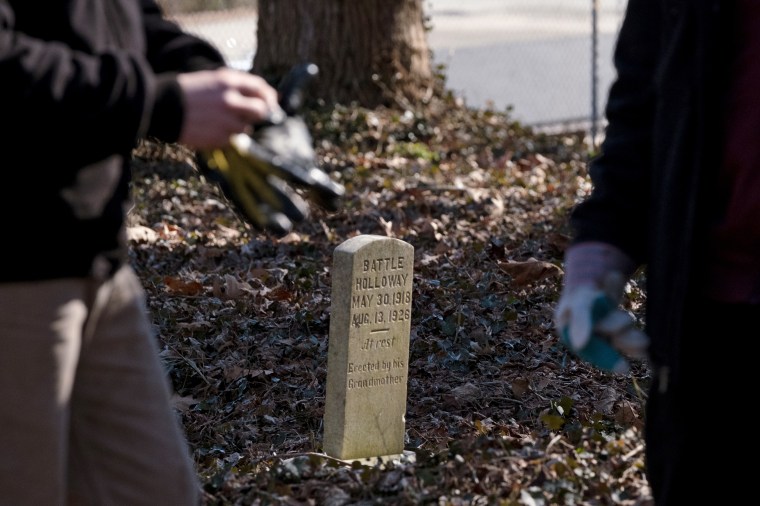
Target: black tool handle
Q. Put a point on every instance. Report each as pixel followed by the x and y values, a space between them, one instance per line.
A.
pixel 292 86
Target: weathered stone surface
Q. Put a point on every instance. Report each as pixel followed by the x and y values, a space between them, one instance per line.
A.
pixel 368 356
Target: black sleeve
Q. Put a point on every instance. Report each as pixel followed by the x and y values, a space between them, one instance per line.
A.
pixel 71 98
pixel 104 99
pixel 170 49
pixel 618 207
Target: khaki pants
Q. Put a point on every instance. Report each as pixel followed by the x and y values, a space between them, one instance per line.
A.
pixel 85 416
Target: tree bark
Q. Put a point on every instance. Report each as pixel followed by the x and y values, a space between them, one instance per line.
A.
pixel 370 52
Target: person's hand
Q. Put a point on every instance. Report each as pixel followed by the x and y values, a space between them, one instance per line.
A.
pixel 224 102
pixel 588 318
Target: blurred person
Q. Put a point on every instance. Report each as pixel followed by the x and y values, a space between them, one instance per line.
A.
pixel 86 415
pixel 676 189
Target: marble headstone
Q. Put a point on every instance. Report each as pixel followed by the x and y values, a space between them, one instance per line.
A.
pixel 368 354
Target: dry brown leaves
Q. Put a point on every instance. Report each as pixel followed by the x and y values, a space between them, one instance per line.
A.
pixel 498 412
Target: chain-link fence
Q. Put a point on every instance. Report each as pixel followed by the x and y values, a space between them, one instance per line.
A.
pixel 548 61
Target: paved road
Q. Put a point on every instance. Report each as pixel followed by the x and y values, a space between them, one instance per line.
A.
pixel 534 56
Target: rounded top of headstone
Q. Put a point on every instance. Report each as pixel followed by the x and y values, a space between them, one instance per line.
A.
pixel 358 242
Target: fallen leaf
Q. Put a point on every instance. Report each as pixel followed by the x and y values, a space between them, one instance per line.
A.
pixel 183 404
pixel 607 400
pixel 520 386
pixel 231 288
pixel 626 416
pixel 177 286
pixel 466 390
pixel 141 234
pixel 528 272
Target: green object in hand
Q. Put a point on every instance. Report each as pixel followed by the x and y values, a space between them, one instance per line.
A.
pixel 591 324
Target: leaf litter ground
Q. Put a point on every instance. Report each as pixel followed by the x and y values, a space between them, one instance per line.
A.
pixel 498 412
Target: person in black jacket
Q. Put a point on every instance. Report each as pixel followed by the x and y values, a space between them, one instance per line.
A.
pixel 85 415
pixel 676 189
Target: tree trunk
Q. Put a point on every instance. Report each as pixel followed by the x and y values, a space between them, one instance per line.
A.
pixel 371 52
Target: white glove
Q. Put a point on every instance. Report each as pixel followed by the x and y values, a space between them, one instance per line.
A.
pixel 588 318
